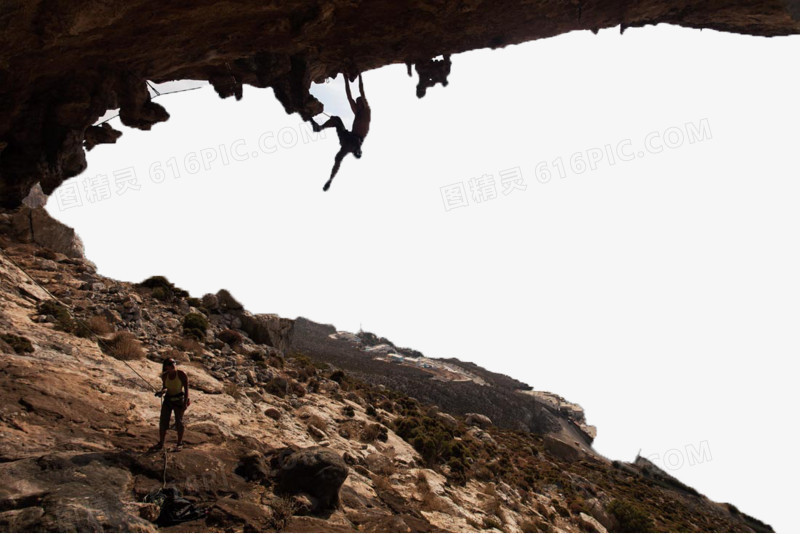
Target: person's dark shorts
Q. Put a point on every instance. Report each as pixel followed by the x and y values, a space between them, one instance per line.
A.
pixel 169 406
pixel 349 141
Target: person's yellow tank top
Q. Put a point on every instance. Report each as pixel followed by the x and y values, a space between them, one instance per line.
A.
pixel 174 385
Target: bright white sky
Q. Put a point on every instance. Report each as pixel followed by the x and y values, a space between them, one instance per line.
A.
pixel 659 293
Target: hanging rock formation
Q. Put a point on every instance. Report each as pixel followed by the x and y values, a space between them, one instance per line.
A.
pixel 63 63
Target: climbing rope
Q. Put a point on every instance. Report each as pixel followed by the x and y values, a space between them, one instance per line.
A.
pixel 164 476
pixel 153 98
pixel 100 341
pixel 94 337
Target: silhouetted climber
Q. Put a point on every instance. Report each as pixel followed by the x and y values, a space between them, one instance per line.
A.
pixel 431 72
pixel 351 140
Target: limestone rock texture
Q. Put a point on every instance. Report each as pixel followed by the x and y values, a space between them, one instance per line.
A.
pixel 275 440
pixel 63 63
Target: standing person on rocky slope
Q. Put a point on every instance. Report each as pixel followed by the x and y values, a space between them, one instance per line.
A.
pixel 350 140
pixel 175 391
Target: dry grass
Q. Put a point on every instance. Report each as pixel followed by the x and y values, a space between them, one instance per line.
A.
pixel 124 346
pixel 283 508
pixel 372 432
pixel 99 325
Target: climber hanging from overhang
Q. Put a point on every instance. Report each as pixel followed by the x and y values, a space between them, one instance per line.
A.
pixel 350 140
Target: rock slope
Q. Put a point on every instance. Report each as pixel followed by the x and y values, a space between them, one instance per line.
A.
pixel 275 440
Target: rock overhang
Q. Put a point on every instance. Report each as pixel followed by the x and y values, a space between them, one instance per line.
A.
pixel 63 64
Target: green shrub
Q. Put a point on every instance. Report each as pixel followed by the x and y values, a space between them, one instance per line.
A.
pixel 157 281
pixel 163 289
pixel 374 431
pixel 630 517
pixel 277 386
pixel 81 329
pixel 338 376
pixel 195 334
pixel 61 314
pixel 458 471
pixel 161 294
pixel 18 343
pixel 195 326
pixel 431 439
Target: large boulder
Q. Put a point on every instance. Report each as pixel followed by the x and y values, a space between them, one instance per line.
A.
pixel 34 225
pixel 317 471
pixel 477 419
pixel 563 450
pixel 253 468
pixel 268 329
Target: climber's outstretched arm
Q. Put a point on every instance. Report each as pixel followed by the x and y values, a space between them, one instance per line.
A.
pixel 361 86
pixel 349 94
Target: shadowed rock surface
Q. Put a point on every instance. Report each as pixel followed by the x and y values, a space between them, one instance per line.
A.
pixel 63 63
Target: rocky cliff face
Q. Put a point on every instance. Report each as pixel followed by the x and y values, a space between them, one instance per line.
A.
pixel 457 387
pixel 275 440
pixel 63 63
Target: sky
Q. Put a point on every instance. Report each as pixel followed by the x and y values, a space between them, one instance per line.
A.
pixel 608 217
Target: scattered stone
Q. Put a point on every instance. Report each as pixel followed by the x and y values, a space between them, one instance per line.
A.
pixel 447 419
pixel 46 265
pixel 112 316
pixel 210 302
pixel 316 433
pixel 303 504
pixel 479 420
pixel 590 524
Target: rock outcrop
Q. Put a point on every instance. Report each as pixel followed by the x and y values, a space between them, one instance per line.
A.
pixel 64 63
pixel 77 418
pixel 316 471
pixel 35 225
